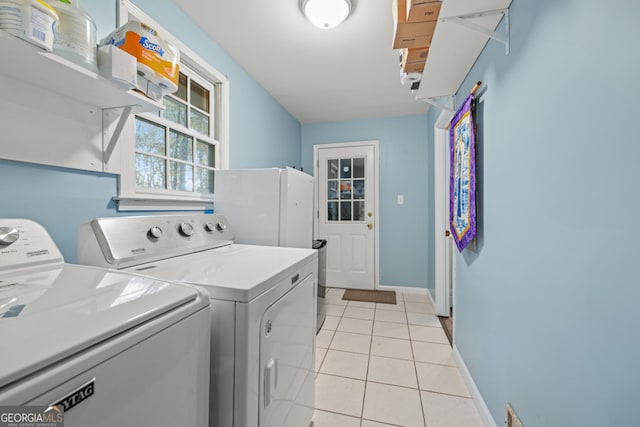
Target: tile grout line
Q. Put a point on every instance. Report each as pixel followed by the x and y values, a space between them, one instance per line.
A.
pixel 336 413
pixel 366 375
pixel 366 378
pixel 415 370
pixel 393 385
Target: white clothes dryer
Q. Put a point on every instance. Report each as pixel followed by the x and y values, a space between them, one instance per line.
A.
pixel 110 348
pixel 263 304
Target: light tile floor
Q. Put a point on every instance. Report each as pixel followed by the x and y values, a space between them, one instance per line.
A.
pixel 381 365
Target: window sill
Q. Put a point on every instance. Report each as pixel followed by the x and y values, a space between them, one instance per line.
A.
pixel 141 203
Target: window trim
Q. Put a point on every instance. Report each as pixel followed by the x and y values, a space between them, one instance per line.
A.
pixel 130 198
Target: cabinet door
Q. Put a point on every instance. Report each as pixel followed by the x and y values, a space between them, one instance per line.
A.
pixel 287 358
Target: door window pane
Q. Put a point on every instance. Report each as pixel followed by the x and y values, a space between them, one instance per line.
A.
pixel 332 168
pixel 358 167
pixel 175 111
pixel 345 168
pixel 181 176
pixel 181 146
pixel 205 154
pixel 332 190
pixel 358 211
pixel 199 122
pixel 149 171
pixel 332 211
pixel 358 188
pixel 150 138
pixel 345 211
pixel 204 181
pixel 345 189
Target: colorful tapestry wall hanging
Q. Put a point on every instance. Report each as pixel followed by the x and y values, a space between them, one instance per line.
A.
pixel 462 185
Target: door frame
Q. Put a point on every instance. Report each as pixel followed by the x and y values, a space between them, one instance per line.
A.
pixel 444 259
pixel 376 171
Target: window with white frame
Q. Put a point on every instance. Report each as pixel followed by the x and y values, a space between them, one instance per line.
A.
pixel 176 149
pixel 170 156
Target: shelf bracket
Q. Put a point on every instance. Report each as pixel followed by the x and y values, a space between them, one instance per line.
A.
pixel 113 140
pixel 446 103
pixel 463 20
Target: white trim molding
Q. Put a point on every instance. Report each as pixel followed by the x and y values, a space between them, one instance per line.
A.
pixel 443 244
pixel 483 410
pixel 159 204
pixel 405 289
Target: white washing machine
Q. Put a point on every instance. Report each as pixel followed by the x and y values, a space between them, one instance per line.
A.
pixel 263 304
pixel 111 348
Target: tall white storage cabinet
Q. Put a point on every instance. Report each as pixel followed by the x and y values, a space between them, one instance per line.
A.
pixel 272 207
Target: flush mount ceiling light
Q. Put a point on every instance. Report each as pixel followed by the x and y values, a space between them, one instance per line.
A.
pixel 326 14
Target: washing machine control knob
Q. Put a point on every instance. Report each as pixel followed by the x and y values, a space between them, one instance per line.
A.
pixel 221 226
pixel 8 235
pixel 210 226
pixel 155 232
pixel 186 229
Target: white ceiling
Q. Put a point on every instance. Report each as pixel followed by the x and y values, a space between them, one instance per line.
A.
pixel 350 72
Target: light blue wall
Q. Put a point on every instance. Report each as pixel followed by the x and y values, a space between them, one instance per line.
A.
pixel 405 159
pixel 57 198
pixel 262 134
pixel 547 306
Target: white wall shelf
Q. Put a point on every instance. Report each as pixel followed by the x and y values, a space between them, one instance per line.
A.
pixel 456 46
pixel 467 22
pixel 446 103
pixel 26 62
pixel 55 112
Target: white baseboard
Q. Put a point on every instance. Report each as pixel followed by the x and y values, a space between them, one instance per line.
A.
pixel 483 410
pixel 403 289
pixel 433 301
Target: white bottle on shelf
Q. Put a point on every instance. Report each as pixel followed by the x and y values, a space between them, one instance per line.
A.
pixel 31 20
pixel 75 37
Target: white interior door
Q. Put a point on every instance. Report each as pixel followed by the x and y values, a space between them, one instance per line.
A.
pixel 443 246
pixel 346 201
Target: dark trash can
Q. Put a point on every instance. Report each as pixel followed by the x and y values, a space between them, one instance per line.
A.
pixel 321 246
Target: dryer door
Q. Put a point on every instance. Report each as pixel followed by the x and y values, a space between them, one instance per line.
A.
pixel 287 358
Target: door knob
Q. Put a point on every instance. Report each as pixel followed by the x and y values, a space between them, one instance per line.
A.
pixel 370 226
pixel 370 214
pixel 447 233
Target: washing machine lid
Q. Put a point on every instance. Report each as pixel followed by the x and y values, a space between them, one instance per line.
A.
pixel 234 272
pixel 49 314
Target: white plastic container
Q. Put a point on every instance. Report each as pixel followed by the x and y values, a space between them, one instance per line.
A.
pixel 75 37
pixel 12 17
pixel 32 20
pixel 117 65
